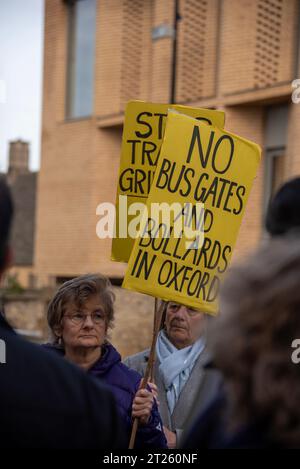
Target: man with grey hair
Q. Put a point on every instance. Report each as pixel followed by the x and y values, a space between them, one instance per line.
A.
pixel 45 402
pixel 180 373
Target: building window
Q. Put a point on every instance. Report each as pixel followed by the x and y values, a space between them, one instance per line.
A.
pixel 60 280
pixel 31 281
pixel 81 57
pixel 274 173
pixel 275 148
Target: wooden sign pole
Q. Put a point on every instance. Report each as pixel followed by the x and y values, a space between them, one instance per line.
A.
pixel 150 366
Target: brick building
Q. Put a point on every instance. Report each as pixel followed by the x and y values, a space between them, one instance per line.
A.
pixel 236 55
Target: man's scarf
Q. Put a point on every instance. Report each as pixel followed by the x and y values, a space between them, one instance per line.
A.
pixel 176 365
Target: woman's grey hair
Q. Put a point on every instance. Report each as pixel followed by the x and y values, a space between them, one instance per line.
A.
pixel 77 291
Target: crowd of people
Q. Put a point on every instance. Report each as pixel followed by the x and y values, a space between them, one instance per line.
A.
pixel 228 382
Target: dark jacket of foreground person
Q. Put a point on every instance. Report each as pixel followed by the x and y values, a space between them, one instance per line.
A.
pixel 48 403
pixel 124 383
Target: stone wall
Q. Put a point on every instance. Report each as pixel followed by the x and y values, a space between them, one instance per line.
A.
pixel 131 333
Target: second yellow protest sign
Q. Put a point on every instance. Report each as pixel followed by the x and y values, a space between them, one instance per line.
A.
pixel 142 137
pixel 194 210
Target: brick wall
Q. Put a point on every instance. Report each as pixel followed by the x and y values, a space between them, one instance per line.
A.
pixel 220 49
pixel 132 326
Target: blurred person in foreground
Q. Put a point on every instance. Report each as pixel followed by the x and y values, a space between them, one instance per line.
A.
pixel 283 215
pixel 79 316
pixel 181 372
pixel 45 403
pixel 252 346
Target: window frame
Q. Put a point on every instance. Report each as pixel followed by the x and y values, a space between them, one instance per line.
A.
pixel 70 85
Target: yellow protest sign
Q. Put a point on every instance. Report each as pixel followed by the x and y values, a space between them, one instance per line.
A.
pixel 142 137
pixel 203 180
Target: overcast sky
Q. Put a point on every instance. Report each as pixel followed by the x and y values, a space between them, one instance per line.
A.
pixel 21 50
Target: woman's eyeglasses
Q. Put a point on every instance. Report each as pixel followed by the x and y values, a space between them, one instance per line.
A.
pixel 80 318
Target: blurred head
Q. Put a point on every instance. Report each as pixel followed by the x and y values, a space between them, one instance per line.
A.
pixel 283 215
pixel 183 325
pixel 251 340
pixel 6 215
pixel 81 312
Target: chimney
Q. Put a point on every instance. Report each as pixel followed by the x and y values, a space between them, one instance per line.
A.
pixel 18 159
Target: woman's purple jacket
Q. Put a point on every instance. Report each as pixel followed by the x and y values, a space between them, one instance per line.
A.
pixel 124 383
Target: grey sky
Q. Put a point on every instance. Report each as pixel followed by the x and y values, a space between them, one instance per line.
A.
pixel 21 44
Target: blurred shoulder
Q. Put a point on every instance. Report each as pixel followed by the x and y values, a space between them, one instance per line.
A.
pixel 138 360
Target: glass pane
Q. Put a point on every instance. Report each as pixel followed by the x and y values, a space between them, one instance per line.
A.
pixel 276 126
pixel 277 174
pixel 82 26
pixel 274 175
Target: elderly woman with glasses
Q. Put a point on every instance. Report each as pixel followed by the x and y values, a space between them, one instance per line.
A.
pixel 79 317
